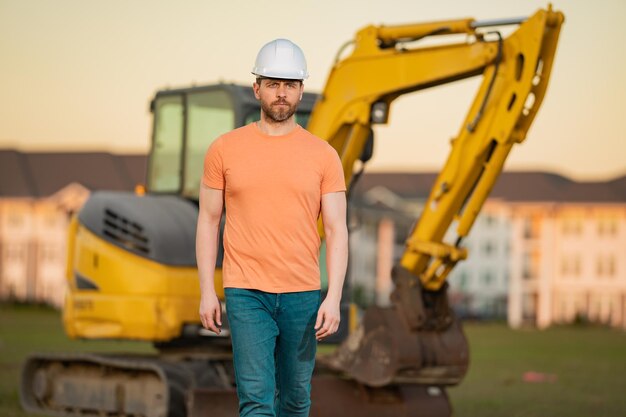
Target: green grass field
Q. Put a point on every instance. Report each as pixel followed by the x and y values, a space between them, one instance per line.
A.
pixel 589 364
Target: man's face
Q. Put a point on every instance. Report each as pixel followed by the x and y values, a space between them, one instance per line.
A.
pixel 279 98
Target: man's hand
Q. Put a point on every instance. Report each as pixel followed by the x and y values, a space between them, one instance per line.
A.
pixel 328 319
pixel 211 313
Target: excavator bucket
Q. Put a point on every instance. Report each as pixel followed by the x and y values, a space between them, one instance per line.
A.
pixel 382 352
pixel 385 349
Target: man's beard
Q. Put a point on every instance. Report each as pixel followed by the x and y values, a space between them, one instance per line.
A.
pixel 278 114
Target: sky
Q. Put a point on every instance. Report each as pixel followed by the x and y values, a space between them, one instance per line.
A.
pixel 79 75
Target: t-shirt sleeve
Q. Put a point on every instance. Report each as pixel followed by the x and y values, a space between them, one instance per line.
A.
pixel 333 179
pixel 213 175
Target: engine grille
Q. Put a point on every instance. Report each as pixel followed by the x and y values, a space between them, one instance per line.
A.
pixel 128 233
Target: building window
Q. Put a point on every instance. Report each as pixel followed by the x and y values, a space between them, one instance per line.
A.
pixel 15 219
pixel 605 266
pixel 487 278
pixel 607 226
pixel 15 252
pixel 490 220
pixel 532 225
pixel 572 226
pixel 49 253
pixel 527 272
pixel 611 266
pixel 566 265
pixel 577 266
pixel 50 220
pixel 463 281
pixel 529 307
pixel 488 248
pixel 570 265
pixel 575 271
pixel 530 265
pixel 528 231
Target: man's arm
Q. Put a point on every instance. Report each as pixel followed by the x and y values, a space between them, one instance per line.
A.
pixel 207 241
pixel 336 230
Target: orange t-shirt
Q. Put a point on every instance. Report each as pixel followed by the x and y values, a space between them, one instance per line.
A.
pixel 272 191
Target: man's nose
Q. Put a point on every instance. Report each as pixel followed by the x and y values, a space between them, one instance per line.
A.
pixel 281 91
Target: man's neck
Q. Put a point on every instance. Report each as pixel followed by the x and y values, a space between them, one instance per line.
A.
pixel 272 128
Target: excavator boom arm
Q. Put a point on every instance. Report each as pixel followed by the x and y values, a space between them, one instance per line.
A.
pixel 418 340
pixel 506 104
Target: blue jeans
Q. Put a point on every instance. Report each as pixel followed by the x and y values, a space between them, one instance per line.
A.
pixel 274 348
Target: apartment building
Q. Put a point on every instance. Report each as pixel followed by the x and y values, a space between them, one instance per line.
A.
pixel 545 249
pixel 568 263
pixel 38 194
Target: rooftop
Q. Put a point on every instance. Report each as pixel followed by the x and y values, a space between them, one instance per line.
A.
pixel 41 174
pixel 513 186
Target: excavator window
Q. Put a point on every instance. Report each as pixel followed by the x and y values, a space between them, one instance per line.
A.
pixel 184 126
pixel 209 115
pixel 167 145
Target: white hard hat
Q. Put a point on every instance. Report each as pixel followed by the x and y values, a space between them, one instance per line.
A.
pixel 282 59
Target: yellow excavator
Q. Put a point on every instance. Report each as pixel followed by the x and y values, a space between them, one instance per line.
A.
pixel 131 267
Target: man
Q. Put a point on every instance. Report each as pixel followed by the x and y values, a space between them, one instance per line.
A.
pixel 275 179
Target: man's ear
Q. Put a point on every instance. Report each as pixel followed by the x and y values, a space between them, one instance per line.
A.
pixel 255 88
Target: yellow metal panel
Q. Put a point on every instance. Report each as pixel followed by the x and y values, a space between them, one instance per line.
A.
pixel 136 298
